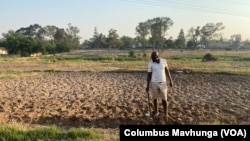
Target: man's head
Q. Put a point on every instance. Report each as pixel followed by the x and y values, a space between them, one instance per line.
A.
pixel 155 57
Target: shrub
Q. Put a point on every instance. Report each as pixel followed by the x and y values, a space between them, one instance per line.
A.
pixel 208 57
pixel 131 54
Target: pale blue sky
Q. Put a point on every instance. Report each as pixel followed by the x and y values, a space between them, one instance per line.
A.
pixel 125 15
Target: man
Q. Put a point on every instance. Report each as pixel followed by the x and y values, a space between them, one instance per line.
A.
pixel 158 73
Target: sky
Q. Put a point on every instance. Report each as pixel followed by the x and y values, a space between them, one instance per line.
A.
pixel 124 15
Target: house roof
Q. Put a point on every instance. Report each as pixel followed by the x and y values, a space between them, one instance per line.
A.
pixel 3 48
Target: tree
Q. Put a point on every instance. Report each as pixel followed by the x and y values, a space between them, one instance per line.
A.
pixel 169 42
pixel 72 36
pixel 10 33
pixel 60 35
pixel 98 41
pixel 34 30
pixel 12 41
pixel 26 46
pixel 50 31
pixel 113 39
pixel 61 41
pixel 127 42
pixel 191 44
pixel 247 43
pixel 209 31
pixel 194 35
pixel 19 44
pixel 236 39
pixel 142 30
pixel 45 47
pixel 180 41
pixel 158 29
pixel 34 38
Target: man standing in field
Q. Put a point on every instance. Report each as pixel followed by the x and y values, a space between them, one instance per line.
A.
pixel 158 73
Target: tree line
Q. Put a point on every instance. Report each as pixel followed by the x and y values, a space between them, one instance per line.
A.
pixel 150 33
pixel 46 40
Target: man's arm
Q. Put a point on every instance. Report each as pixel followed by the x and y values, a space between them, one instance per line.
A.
pixel 168 75
pixel 148 80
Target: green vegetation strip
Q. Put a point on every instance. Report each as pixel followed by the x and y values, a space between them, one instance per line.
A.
pixel 209 61
pixel 14 133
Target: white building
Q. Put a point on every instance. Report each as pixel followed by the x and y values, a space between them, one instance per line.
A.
pixel 3 50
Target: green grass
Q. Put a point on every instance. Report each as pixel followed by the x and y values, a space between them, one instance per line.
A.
pixel 51 133
pixel 237 62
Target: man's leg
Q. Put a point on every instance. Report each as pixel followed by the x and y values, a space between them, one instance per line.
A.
pixel 165 107
pixel 155 106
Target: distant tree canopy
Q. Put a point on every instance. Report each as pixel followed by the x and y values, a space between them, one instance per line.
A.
pixel 157 28
pixel 150 34
pixel 202 35
pixel 180 41
pixel 142 31
pixel 35 38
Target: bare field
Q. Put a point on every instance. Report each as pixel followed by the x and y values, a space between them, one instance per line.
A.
pixel 105 94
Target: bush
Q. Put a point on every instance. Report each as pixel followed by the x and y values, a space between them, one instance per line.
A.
pixel 131 54
pixel 208 57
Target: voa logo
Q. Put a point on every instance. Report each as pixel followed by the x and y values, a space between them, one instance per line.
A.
pixel 232 132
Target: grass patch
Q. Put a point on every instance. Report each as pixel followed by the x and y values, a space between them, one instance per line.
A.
pixel 237 62
pixel 5 74
pixel 51 133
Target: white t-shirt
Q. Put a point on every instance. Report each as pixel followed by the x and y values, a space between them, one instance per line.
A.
pixel 158 70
